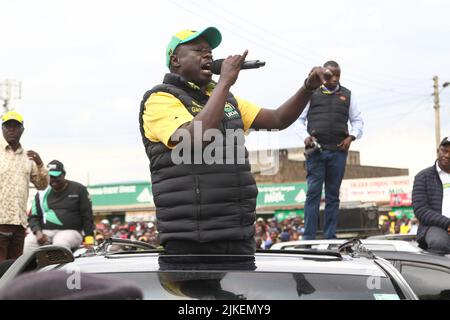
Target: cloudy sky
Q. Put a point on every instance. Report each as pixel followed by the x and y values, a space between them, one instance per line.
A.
pixel 84 66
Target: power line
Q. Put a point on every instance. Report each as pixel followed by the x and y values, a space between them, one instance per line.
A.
pixel 275 50
pixel 285 53
pixel 312 52
pixel 377 88
pixel 403 115
pixel 389 104
pixel 289 50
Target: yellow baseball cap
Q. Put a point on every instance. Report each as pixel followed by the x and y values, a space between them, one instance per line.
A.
pixel 211 34
pixel 12 115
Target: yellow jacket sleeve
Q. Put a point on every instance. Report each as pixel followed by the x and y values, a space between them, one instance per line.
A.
pixel 163 115
pixel 249 112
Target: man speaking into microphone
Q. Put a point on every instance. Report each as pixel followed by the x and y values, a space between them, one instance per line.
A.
pixel 205 207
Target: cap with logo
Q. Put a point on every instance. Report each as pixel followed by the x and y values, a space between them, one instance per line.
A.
pixel 211 35
pixel 445 141
pixel 12 115
pixel 55 168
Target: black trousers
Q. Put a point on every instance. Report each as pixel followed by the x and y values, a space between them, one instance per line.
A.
pixel 438 240
pixel 11 241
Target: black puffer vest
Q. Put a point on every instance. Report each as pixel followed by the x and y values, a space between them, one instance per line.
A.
pixel 328 116
pixel 199 201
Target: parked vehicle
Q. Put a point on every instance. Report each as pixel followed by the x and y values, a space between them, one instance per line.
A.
pixel 394 236
pixel 351 273
pixel 371 244
pixel 428 274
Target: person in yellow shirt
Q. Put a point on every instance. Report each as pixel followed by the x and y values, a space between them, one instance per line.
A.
pixel 193 133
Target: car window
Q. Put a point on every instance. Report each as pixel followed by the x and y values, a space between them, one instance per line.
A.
pixel 260 286
pixel 427 281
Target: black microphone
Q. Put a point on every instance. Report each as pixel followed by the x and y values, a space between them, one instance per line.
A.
pixel 252 64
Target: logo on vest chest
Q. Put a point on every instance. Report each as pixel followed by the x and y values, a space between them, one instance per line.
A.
pixel 343 98
pixel 230 111
pixel 195 107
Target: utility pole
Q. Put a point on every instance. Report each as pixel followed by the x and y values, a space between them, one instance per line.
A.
pixel 437 117
pixel 10 89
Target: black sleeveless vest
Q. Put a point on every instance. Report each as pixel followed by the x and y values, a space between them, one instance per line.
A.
pixel 328 116
pixel 203 201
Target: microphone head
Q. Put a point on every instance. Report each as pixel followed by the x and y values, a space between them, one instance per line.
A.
pixel 216 66
pixel 253 64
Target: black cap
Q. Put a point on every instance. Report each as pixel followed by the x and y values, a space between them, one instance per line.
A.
pixel 55 168
pixel 445 141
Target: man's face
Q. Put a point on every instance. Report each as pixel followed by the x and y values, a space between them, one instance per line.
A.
pixel 58 183
pixel 334 81
pixel 444 157
pixel 193 60
pixel 12 131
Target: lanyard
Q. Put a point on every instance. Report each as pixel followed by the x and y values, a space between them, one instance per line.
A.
pixel 325 90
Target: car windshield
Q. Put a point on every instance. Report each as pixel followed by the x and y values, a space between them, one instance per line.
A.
pixel 260 286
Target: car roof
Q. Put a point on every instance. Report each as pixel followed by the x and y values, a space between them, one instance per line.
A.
pixel 395 236
pixel 264 262
pixel 372 244
pixel 419 257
